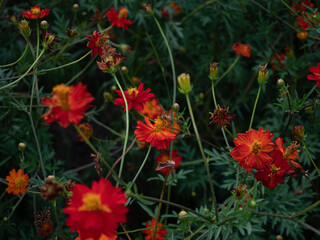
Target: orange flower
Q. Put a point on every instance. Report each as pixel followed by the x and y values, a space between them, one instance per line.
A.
pixel 86 129
pixel 97 41
pixel 102 237
pixel 164 157
pixel 152 109
pixel 67 104
pixel 242 49
pixel 252 149
pixel 291 152
pixel 97 210
pixel 278 61
pixel 17 182
pixel 156 134
pixel 36 13
pixel 161 232
pixel 119 19
pixel 46 229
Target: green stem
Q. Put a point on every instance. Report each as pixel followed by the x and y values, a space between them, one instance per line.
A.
pixel 61 51
pixel 140 169
pixel 228 70
pixel 15 206
pixel 127 126
pixel 255 105
pixel 100 140
pixel 227 130
pixel 58 220
pixel 197 10
pixel 307 209
pixel 104 126
pixel 314 164
pixel 38 39
pixel 203 156
pixel 15 62
pixel 16 81
pixel 76 77
pixel 171 60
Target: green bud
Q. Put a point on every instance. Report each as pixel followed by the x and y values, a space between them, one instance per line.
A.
pixel 184 83
pixel 263 74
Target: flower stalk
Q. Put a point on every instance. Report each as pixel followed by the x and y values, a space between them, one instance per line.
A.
pixel 254 107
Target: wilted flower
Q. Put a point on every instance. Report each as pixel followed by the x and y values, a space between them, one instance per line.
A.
pixel 97 17
pixel 48 39
pixel 97 41
pixel 110 60
pixel 86 129
pixel 299 131
pixel 213 70
pixel 71 32
pixel 263 74
pixel 51 189
pixel 221 117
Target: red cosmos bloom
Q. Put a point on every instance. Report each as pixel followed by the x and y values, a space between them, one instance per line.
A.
pixel 220 116
pixel 242 49
pixel 96 210
pixel 86 129
pixel 136 98
pixel 102 237
pixel 316 74
pixel 273 173
pixel 97 41
pixel 161 232
pixel 277 61
pixel 67 104
pixel 301 6
pixel 164 157
pixel 46 229
pixel 291 152
pixel 165 13
pixel 157 134
pixel 119 19
pixel 252 149
pixel 17 182
pixel 152 109
pixel 36 13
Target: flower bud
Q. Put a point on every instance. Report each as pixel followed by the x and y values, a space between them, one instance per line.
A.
pixel 124 69
pixel 113 88
pixel 184 83
pixel 87 131
pixel 75 7
pixel 279 237
pixel 213 70
pixel 48 40
pixel 253 203
pixel 176 107
pixel 125 48
pixel 263 74
pixel 22 146
pixel 107 97
pixel 193 194
pixel 201 96
pixel 13 20
pixel 182 215
pixel 135 80
pixel 280 82
pixel 25 28
pixel 309 110
pixel 299 131
pixel 72 33
pixel 303 35
pixel 44 25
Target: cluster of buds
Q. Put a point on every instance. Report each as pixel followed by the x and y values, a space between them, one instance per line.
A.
pixel 51 189
pixel 185 86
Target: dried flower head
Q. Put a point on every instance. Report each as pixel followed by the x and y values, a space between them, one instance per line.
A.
pixel 42 217
pixel 220 116
pixel 110 60
pixel 97 17
pixel 51 189
pixel 213 70
pixel 87 131
pixel 97 161
pixel 299 132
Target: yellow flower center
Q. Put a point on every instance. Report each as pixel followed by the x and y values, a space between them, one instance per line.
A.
pixel 256 147
pixel 35 11
pixel 62 91
pixel 293 148
pixel 123 13
pixel 160 124
pixel 19 182
pixel 274 169
pixel 131 90
pixel 92 203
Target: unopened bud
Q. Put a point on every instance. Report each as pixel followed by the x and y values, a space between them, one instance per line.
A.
pixel 299 131
pixel 135 80
pixel 182 215
pixel 193 194
pixel 253 203
pixel 184 83
pixel 44 25
pixel 201 95
pixel 263 74
pixel 13 20
pixel 125 48
pixel 51 178
pixel 84 13
pixel 75 7
pixel 176 107
pixel 213 70
pixel 280 82
pixel 25 28
pixel 124 69
pixel 22 146
pixel 107 96
pixel 72 33
pixel 113 88
pixel 279 237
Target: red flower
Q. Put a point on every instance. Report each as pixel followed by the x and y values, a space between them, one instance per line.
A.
pixel 152 109
pixel 316 74
pixel 46 229
pixel 36 13
pixel 110 60
pixel 300 6
pixel 158 135
pixel 97 41
pixel 164 157
pixel 220 116
pixel 67 104
pixel 242 49
pixel 252 149
pixel 17 182
pixel 96 210
pixel 161 232
pixel 291 152
pixel 274 172
pixel 119 19
pixel 165 13
pixel 102 237
pixel 277 61
pixel 136 98
pixel 306 20
pixel 86 129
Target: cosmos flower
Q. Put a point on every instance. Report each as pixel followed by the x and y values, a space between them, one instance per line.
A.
pixel 161 232
pixel 36 13
pixel 86 129
pixel 17 182
pixel 97 210
pixel 242 49
pixel 316 74
pixel 136 98
pixel 252 149
pixel 110 60
pixel 291 152
pixel 221 117
pixel 157 134
pixel 67 104
pixel 119 19
pixel 165 156
pixel 97 41
pixel 301 6
pixel 46 229
pixel 152 109
pixel 102 237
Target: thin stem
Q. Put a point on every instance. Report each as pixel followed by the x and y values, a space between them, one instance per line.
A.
pixel 15 206
pixel 307 209
pixel 227 130
pixel 16 81
pixel 171 60
pixel 15 62
pixel 58 220
pixel 104 126
pixel 38 39
pixel 197 10
pixel 228 70
pixel 254 107
pixel 203 155
pixel 127 234
pixel 140 169
pixel 127 126
pixel 314 164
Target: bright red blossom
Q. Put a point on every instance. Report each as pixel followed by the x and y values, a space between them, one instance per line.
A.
pixel 252 149
pixel 96 210
pixel 67 104
pixel 36 13
pixel 161 232
pixel 164 157
pixel 102 237
pixel 46 229
pixel 158 135
pixel 242 49
pixel 316 74
pixel 17 182
pixel 152 109
pixel 301 6
pixel 221 117
pixel 97 41
pixel 291 152
pixel 136 98
pixel 119 19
